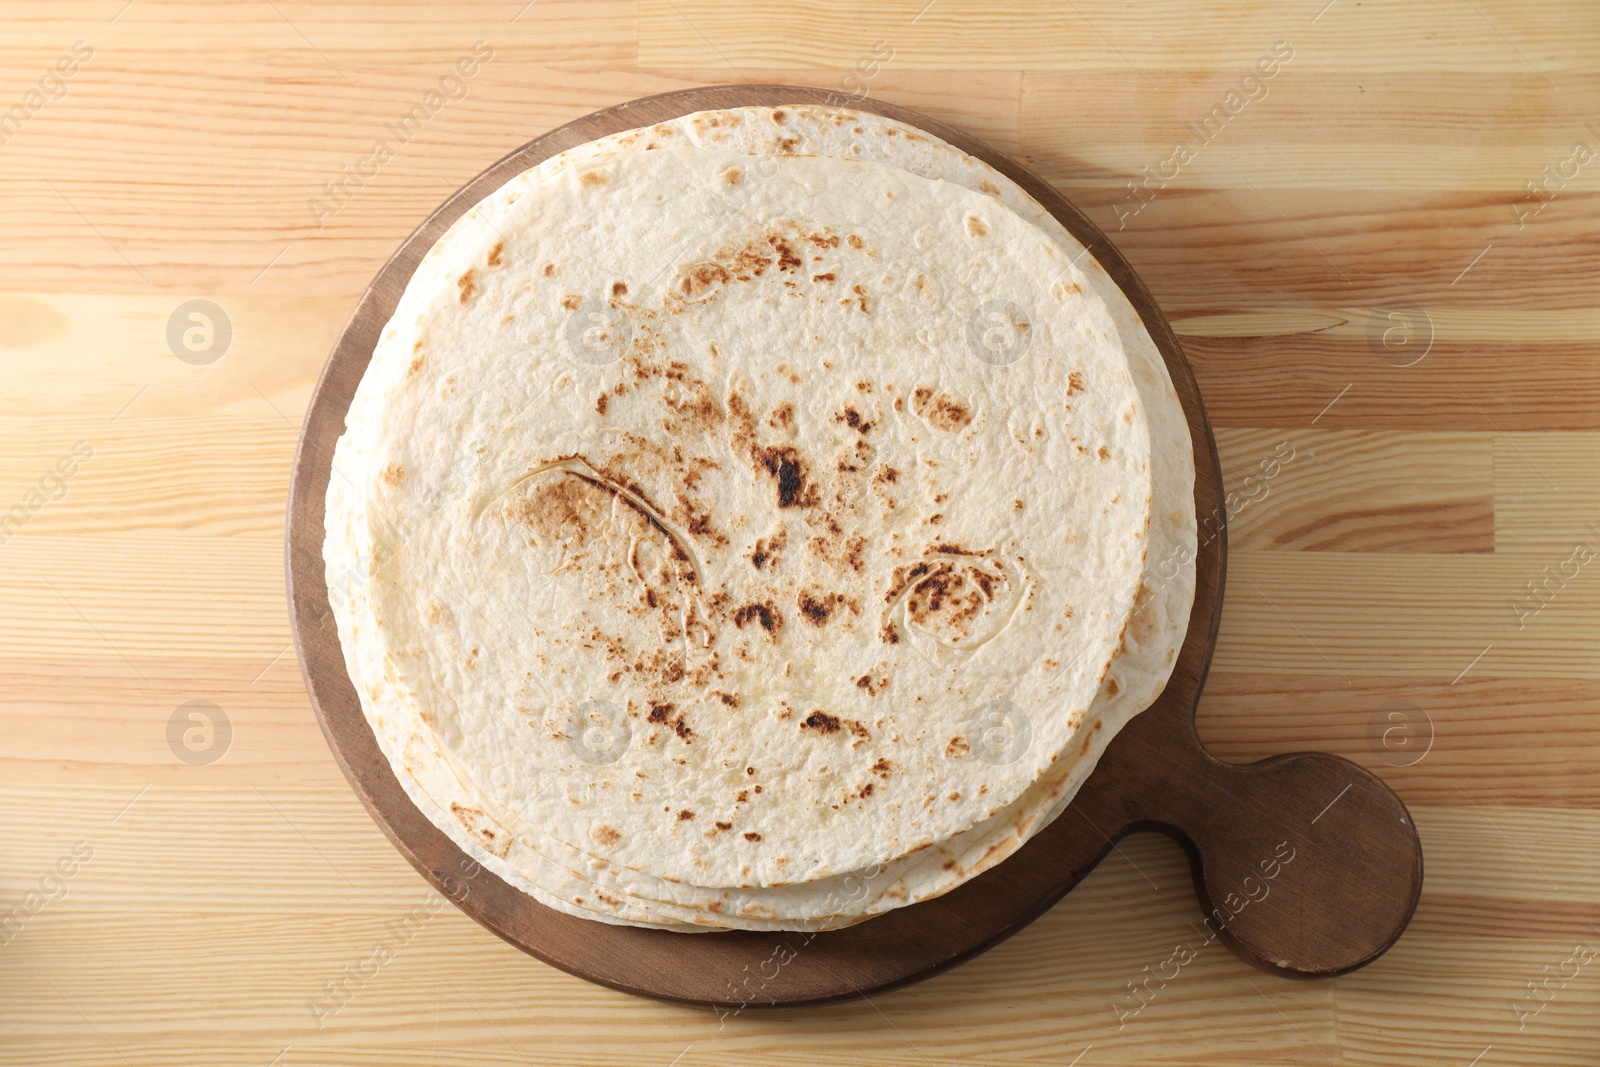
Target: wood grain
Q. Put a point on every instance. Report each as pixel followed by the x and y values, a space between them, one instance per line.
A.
pixel 191 144
pixel 1360 490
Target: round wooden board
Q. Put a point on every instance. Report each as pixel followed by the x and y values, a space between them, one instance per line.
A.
pixel 1305 865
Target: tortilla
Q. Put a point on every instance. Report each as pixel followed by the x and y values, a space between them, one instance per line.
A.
pixel 1093 737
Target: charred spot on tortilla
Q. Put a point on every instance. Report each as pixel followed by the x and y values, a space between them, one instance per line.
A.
pixel 941 410
pixel 702 280
pixel 818 608
pixel 783 463
pixel 822 722
pixel 769 550
pixel 787 260
pixel 852 418
pixel 770 618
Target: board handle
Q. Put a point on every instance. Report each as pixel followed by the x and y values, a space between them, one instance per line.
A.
pixel 1324 879
pixel 1306 865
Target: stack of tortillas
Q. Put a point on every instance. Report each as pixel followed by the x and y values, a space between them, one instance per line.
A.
pixel 760 520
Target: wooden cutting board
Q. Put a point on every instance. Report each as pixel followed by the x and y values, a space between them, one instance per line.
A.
pixel 1305 865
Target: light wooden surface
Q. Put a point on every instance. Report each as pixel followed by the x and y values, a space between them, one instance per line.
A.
pixel 1386 166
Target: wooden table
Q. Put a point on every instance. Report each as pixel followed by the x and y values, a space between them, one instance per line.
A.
pixel 1363 277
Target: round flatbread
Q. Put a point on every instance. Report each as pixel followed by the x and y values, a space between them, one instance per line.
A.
pixel 896 881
